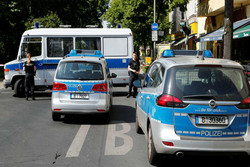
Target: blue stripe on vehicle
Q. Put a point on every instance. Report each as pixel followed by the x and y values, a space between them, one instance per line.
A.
pixel 118 63
pixel 185 127
pixel 182 118
pixel 40 64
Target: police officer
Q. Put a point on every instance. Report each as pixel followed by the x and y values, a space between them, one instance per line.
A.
pixel 30 70
pixel 133 69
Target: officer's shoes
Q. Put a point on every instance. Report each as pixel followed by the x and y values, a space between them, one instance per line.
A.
pixel 128 95
pixel 33 98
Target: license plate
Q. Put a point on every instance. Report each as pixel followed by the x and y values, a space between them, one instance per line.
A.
pixel 211 120
pixel 79 96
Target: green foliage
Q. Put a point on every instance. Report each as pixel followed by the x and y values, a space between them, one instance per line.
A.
pixel 18 15
pixel 51 20
pixel 138 16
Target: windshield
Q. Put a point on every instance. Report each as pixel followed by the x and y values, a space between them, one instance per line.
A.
pixel 79 70
pixel 204 83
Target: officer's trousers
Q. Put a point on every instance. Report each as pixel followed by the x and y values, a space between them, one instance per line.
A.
pixel 29 85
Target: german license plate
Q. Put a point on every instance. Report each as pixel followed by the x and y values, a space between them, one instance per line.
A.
pixel 212 120
pixel 79 96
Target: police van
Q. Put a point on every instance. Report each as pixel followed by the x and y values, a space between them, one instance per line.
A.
pixel 48 46
pixel 190 102
pixel 82 84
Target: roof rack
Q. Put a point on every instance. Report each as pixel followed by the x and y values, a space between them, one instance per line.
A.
pixel 85 53
pixel 173 53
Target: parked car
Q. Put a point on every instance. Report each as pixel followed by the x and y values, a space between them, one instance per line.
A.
pixel 193 104
pixel 82 84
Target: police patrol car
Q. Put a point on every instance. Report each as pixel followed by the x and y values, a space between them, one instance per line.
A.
pixel 82 84
pixel 191 103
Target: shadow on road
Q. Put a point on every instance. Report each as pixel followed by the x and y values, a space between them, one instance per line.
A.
pixel 204 161
pixel 118 113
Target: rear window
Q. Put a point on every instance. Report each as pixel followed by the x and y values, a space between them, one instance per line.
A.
pixel 79 71
pixel 201 83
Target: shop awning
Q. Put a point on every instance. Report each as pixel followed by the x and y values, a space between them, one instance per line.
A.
pixel 218 34
pixel 183 40
pixel 242 32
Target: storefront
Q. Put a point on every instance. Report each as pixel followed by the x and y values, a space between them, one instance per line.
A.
pixel 214 40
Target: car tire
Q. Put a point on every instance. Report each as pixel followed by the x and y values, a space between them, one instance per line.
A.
pixel 56 117
pixel 19 88
pixel 137 126
pixel 153 156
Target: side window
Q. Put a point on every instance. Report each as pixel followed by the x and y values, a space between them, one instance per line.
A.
pixel 88 43
pixel 155 76
pixel 59 46
pixel 33 46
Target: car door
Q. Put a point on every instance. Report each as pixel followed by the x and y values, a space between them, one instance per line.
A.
pixel 146 97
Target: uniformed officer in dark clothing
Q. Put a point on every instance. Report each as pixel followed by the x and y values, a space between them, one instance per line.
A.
pixel 30 70
pixel 133 69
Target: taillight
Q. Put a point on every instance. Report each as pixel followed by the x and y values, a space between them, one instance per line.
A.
pixel 57 86
pixel 245 104
pixel 100 87
pixel 170 101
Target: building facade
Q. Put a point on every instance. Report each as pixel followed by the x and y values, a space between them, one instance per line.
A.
pixel 210 31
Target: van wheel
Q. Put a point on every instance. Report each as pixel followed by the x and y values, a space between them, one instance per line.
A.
pixel 56 117
pixel 19 88
pixel 153 156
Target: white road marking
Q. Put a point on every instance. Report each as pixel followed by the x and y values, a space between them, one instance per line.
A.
pixel 110 148
pixel 76 145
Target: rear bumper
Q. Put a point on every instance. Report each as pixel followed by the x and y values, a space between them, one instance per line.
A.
pixel 163 132
pixel 78 106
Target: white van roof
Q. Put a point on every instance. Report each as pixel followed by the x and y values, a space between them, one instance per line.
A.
pixel 77 31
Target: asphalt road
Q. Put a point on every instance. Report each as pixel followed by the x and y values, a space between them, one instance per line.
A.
pixel 29 137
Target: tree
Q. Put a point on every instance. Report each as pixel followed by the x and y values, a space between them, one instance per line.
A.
pixel 51 20
pixel 17 16
pixel 138 16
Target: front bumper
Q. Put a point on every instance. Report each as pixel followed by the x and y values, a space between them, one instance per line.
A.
pixel 6 83
pixel 163 132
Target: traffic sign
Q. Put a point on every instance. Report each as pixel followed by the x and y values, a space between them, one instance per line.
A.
pixel 154 36
pixel 154 26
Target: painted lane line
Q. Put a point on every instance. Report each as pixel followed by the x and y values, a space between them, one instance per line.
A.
pixel 77 143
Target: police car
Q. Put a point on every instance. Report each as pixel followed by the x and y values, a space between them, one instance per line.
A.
pixel 190 102
pixel 82 84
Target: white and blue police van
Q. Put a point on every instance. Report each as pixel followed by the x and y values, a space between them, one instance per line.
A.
pixel 190 104
pixel 48 46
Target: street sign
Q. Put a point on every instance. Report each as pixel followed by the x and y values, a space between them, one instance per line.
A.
pixel 154 36
pixel 154 26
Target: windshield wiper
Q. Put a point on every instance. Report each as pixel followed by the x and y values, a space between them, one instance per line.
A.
pixel 199 97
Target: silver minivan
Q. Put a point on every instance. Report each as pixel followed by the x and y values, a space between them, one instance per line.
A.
pixel 82 84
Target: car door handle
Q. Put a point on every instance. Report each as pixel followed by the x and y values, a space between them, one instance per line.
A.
pixel 147 97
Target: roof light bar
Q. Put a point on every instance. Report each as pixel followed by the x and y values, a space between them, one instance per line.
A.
pixel 85 53
pixel 172 53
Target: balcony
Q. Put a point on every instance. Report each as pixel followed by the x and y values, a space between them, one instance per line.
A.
pixel 207 8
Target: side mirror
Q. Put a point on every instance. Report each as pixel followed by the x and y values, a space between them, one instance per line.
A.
pixel 113 75
pixel 137 83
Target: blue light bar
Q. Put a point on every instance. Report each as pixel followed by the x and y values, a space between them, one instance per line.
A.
pixel 172 53
pixel 168 53
pixel 85 53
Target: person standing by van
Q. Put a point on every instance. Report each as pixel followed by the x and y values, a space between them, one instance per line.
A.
pixel 133 69
pixel 30 71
